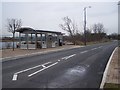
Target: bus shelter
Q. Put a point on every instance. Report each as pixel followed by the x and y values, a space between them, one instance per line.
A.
pixel 33 39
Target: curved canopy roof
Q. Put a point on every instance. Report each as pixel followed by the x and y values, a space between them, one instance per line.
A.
pixel 30 30
pixel 25 29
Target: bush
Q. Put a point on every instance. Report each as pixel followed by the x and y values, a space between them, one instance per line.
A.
pixel 79 43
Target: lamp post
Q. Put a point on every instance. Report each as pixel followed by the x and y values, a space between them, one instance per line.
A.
pixel 118 16
pixel 85 24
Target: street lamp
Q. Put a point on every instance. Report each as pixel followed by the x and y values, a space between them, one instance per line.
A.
pixel 85 24
pixel 119 3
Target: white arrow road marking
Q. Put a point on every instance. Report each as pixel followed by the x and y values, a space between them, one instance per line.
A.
pixel 14 77
pixel 42 69
pixel 43 66
pixel 16 74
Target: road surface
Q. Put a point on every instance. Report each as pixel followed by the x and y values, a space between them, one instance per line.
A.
pixel 75 68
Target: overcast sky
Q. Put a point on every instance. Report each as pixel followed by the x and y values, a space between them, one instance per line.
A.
pixel 48 15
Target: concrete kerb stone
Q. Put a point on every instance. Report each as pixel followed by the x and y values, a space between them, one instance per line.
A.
pixel 106 70
pixel 37 53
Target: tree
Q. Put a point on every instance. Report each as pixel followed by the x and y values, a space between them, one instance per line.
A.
pixel 95 28
pixel 70 27
pixel 88 35
pixel 98 28
pixel 12 26
pixel 99 31
pixel 113 36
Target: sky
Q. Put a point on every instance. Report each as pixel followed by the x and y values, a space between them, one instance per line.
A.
pixel 48 15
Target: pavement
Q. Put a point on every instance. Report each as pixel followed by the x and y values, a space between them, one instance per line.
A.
pixel 70 68
pixel 112 75
pixel 114 70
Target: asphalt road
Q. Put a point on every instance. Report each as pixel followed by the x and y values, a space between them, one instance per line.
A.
pixel 75 68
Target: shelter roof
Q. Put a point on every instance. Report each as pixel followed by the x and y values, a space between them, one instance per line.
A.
pixel 30 30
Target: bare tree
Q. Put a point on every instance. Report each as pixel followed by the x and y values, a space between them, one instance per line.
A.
pixel 94 28
pixel 98 28
pixel 12 26
pixel 70 27
pixel 99 31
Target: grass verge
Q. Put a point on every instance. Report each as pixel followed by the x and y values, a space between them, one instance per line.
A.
pixel 111 86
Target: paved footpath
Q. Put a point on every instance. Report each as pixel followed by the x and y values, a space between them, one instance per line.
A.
pixel 8 54
pixel 113 72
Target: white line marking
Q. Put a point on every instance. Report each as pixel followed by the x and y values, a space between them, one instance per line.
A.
pixel 14 77
pixel 59 60
pixel 32 68
pixel 106 70
pixel 93 49
pixel 100 47
pixel 87 65
pixel 84 51
pixel 42 69
pixel 70 56
pixel 43 66
pixel 64 57
pixel 97 48
pixel 15 74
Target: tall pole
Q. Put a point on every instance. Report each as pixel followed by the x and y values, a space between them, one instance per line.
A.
pixel 85 26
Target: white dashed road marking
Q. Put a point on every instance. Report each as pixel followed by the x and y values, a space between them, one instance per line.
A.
pixel 93 48
pixel 70 56
pixel 67 57
pixel 59 60
pixel 97 48
pixel 100 47
pixel 84 51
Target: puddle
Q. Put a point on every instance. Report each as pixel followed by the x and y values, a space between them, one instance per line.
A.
pixel 77 70
pixel 70 76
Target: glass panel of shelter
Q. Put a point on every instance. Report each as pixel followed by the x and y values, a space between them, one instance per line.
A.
pixel 44 40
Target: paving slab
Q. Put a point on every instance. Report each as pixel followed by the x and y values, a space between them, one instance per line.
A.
pixel 114 70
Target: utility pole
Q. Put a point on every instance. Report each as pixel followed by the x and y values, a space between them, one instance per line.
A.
pixel 85 24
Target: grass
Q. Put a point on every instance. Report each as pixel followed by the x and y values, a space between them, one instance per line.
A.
pixel 96 42
pixel 111 86
pixel 92 42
